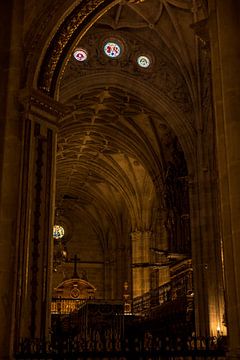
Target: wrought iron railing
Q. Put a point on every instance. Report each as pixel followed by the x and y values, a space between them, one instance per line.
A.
pixel 76 317
pixel 66 306
pixel 178 287
pixel 111 346
pixel 63 306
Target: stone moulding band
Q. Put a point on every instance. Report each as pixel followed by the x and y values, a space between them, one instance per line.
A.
pixel 61 43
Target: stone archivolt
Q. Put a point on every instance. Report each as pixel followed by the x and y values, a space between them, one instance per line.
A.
pixel 152 20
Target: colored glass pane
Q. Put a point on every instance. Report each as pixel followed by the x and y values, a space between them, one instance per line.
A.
pixel 143 61
pixel 112 49
pixel 58 232
pixel 80 54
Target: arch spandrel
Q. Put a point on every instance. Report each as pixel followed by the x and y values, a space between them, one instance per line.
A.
pixel 59 40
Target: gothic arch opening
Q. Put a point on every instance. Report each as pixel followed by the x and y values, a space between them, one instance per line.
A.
pixel 119 123
pixel 122 175
pixel 127 98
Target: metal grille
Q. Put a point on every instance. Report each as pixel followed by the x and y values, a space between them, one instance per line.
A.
pixel 94 346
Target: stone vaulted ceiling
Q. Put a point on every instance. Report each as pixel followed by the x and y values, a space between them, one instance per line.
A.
pixel 117 139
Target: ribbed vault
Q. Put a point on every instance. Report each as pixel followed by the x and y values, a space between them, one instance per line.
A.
pixel 128 134
pixel 113 150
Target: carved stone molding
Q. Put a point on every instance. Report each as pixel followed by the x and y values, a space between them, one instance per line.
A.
pixel 36 227
pixel 67 33
pixel 37 104
pixel 135 1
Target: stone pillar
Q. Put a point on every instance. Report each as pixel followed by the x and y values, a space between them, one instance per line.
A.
pixel 204 199
pixel 224 19
pixel 109 286
pixel 140 261
pixel 160 241
pixel 11 59
pixel 121 271
pixel 206 256
pixel 37 196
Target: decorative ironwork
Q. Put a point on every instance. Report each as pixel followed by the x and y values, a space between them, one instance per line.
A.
pixel 66 306
pixel 111 346
pixel 180 286
pixel 80 318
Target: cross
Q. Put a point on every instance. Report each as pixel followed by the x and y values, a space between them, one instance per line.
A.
pixel 75 260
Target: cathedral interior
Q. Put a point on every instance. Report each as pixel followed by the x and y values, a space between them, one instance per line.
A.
pixel 120 173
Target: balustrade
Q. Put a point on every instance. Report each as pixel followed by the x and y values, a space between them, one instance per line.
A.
pixel 179 286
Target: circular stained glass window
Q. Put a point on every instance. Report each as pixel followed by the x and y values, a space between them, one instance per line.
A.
pixel 80 54
pixel 58 232
pixel 112 49
pixel 143 61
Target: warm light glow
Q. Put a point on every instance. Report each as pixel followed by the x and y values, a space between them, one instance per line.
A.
pixel 66 306
pixel 58 232
pixel 216 326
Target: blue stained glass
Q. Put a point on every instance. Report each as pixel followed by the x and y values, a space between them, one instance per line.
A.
pixel 112 49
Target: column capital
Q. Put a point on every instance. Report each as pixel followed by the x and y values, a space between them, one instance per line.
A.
pixel 35 104
pixel 138 234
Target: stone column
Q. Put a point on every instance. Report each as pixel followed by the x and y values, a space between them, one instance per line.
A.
pixel 204 196
pixel 109 275
pixel 37 196
pixel 224 20
pixel 11 58
pixel 206 256
pixel 146 271
pixel 140 260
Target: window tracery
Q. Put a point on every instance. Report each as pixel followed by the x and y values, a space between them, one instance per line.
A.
pixel 113 49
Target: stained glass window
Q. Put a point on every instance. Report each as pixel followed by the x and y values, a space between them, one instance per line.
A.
pixel 80 54
pixel 143 61
pixel 58 232
pixel 112 49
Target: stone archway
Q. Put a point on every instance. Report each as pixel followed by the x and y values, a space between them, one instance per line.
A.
pixel 26 51
pixel 44 115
